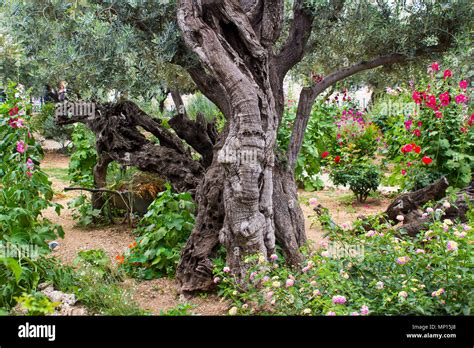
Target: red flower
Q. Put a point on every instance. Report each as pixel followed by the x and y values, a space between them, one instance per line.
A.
pixel 431 102
pixel 404 172
pixel 417 132
pixel 409 164
pixel 463 84
pixel 13 111
pixel 438 114
pixel 407 148
pixel 337 159
pixel 426 160
pixel 463 130
pixel 325 154
pixel 447 73
pixel 420 123
pixel 444 98
pixel 416 97
pixel 435 66
pixel 417 149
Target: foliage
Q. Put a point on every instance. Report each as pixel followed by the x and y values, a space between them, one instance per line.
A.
pixel 24 188
pixel 46 125
pixel 36 304
pixel 320 127
pixel 162 233
pixel 359 273
pixel 84 157
pixel 180 310
pixel 362 178
pixel 435 138
pixel 82 210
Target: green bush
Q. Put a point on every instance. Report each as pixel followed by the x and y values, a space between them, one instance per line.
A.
pixel 162 233
pixel 374 272
pixel 362 178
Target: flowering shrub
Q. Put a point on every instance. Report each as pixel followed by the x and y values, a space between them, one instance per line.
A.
pixel 363 273
pixel 24 193
pixel 24 188
pixel 435 138
pixel 161 235
pixel 350 158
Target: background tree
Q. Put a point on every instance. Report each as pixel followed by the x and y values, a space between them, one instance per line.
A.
pixel 238 53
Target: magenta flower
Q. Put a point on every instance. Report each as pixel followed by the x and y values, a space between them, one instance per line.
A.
pixel 364 310
pixel 273 257
pixel 461 98
pixel 463 84
pixel 338 299
pixel 30 164
pixel 21 146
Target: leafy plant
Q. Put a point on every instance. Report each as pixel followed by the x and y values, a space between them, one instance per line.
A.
pixel 36 304
pixel 161 235
pixel 363 272
pixel 181 309
pixel 362 178
pixel 319 129
pixel 435 138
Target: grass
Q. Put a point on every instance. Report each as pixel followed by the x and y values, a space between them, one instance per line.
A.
pixel 60 174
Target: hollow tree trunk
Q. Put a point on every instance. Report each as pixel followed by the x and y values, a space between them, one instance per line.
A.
pixel 258 195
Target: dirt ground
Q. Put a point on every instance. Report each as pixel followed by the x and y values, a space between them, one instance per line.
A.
pixel 161 294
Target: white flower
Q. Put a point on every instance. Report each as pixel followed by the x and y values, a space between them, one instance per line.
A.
pixel 446 204
pixel 448 222
pixel 307 311
pixel 400 217
pixel 379 285
pixel 233 311
pixel 429 210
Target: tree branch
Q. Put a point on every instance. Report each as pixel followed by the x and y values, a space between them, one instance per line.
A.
pixel 300 31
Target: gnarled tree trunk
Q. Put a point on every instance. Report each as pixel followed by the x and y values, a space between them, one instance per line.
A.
pixel 247 200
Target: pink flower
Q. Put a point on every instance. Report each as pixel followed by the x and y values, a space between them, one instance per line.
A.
pixel 370 233
pixel 417 132
pixel 364 310
pixel 447 73
pixel 21 146
pixel 463 84
pixel 403 294
pixel 290 282
pixel 419 251
pixel 30 164
pixel 338 299
pixel 217 280
pixel 444 98
pixel 355 314
pixel 331 314
pixel 438 293
pixel 461 98
pixel 313 201
pixel 402 260
pixel 438 114
pixel 30 174
pixel 452 245
pixel 408 124
pixel 226 269
pixel 273 257
pixel 435 66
